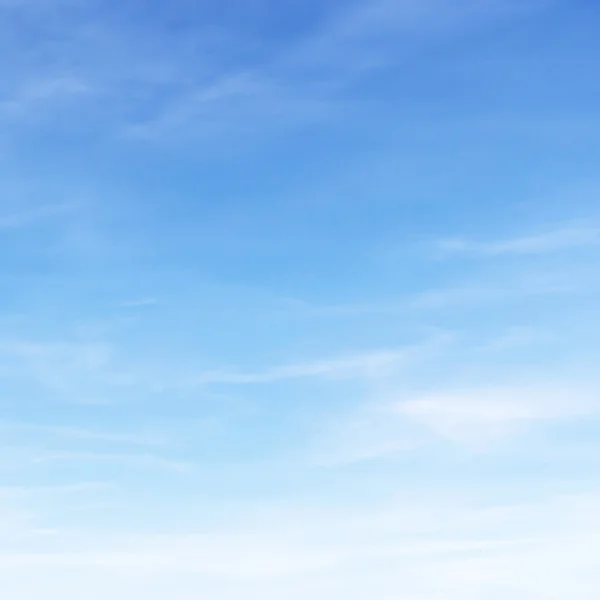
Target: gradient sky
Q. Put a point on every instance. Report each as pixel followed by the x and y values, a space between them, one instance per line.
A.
pixel 299 299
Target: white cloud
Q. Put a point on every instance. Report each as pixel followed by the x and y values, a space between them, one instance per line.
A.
pixel 519 337
pixel 363 365
pixel 374 33
pixel 481 414
pixel 34 215
pixel 139 461
pixel 366 365
pixel 563 238
pixel 140 438
pixel 78 371
pixel 398 421
pixel 140 302
pixel 43 93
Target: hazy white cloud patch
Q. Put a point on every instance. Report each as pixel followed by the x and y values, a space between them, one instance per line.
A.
pixel 481 415
pixel 557 240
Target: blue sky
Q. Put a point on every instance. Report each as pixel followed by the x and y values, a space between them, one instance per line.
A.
pixel 299 299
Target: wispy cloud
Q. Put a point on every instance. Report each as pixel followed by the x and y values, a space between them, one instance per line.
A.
pixel 561 239
pixel 374 33
pixel 83 434
pixel 151 84
pixel 398 419
pixel 353 366
pixel 366 365
pixel 34 215
pixel 42 93
pixel 155 84
pixel 494 289
pixel 77 371
pixel 58 490
pixel 481 415
pixel 239 104
pixel 139 461
pixel 479 289
pixel 307 80
pixel 140 302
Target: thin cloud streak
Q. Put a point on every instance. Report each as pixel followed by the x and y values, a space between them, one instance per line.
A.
pixel 563 239
pixel 140 461
pixel 35 215
pixel 367 365
pixel 82 434
pixel 307 81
